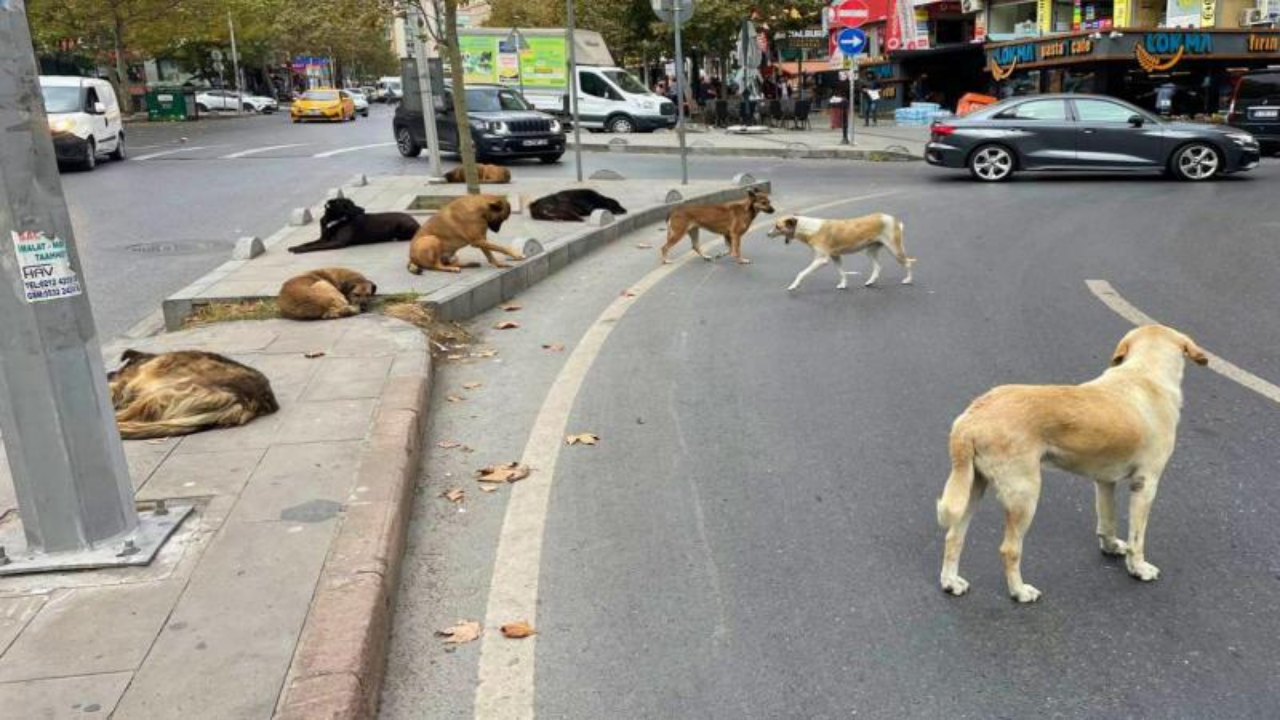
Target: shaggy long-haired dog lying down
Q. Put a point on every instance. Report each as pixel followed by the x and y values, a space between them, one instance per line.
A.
pixel 180 393
pixel 573 205
pixel 346 223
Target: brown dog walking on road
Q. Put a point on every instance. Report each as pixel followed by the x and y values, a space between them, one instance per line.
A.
pixel 465 221
pixel 325 294
pixel 731 220
pixel 1121 426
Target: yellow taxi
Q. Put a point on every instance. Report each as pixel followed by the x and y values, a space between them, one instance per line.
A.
pixel 323 104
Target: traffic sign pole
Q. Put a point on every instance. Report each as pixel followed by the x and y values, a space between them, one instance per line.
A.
pixel 684 151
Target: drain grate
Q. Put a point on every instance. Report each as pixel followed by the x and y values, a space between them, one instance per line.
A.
pixel 179 247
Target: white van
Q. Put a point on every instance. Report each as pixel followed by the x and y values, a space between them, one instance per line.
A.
pixel 389 90
pixel 84 117
pixel 613 100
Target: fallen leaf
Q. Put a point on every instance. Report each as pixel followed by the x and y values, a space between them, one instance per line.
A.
pixel 485 354
pixel 508 473
pixel 468 449
pixel 471 385
pixel 489 488
pixel 507 325
pixel 314 355
pixel 454 495
pixel 553 347
pixel 643 246
pixel 512 307
pixel 628 293
pixel 518 630
pixel 581 439
pixel 453 399
pixel 448 444
pixel 454 357
pixel 463 631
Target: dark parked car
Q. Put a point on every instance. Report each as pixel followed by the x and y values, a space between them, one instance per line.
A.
pixel 502 124
pixel 1085 132
pixel 1255 107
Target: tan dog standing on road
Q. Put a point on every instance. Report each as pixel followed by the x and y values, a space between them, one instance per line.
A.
pixel 325 294
pixel 731 220
pixel 465 221
pixel 1120 426
pixel 830 239
pixel 489 174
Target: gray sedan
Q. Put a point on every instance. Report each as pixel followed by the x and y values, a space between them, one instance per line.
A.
pixel 1085 132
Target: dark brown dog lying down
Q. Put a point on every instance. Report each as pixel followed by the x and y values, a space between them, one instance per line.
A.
pixel 489 174
pixel 573 205
pixel 325 294
pixel 180 393
pixel 346 223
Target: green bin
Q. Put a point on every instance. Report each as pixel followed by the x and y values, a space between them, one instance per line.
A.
pixel 167 103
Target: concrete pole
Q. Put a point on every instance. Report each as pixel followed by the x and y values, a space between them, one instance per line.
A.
pixel 235 65
pixel 59 429
pixel 426 94
pixel 572 43
pixel 684 151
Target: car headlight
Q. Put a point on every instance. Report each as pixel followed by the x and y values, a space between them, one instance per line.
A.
pixel 497 127
pixel 556 126
pixel 63 125
pixel 1243 140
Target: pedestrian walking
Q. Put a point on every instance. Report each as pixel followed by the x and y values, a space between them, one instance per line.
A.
pixel 870 100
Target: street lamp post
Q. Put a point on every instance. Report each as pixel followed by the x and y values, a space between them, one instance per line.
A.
pixel 572 44
pixel 426 94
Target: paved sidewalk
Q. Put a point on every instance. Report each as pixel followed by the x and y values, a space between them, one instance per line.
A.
pixel 885 141
pixel 272 592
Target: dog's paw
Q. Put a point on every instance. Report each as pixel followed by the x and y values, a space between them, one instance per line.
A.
pixel 1144 571
pixel 869 283
pixel 843 286
pixel 706 257
pixel 1113 546
pixel 743 261
pixel 1025 594
pixel 955 585
pixel 907 281
pixel 413 268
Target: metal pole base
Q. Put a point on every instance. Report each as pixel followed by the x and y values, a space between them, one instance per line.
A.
pixel 155 525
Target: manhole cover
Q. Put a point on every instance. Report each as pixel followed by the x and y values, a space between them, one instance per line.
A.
pixel 179 247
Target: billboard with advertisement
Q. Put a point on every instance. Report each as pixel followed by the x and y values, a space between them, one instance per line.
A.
pixel 479 58
pixel 1182 13
pixel 543 64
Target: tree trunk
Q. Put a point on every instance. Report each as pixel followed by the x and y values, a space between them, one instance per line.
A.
pixel 122 68
pixel 465 146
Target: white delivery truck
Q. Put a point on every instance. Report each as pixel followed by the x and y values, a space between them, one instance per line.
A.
pixel 534 62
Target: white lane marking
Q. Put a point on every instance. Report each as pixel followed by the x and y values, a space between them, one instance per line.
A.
pixel 355 148
pixel 255 151
pixel 505 686
pixel 153 156
pixel 1112 299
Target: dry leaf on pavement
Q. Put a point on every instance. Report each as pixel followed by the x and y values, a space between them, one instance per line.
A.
pixel 454 494
pixel 471 385
pixel 453 399
pixel 485 354
pixel 489 488
pixel 643 246
pixel 628 293
pixel 314 355
pixel 518 630
pixel 448 444
pixel 463 631
pixel 507 473
pixel 581 439
pixel 512 307
pixel 553 347
pixel 507 325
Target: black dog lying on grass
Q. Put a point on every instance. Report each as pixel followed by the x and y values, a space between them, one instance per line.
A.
pixel 346 223
pixel 573 206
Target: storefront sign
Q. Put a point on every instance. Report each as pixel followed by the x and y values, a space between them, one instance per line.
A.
pixel 1002 61
pixel 1120 13
pixel 1264 43
pixel 1207 12
pixel 1182 13
pixel 1159 52
pixel 1044 16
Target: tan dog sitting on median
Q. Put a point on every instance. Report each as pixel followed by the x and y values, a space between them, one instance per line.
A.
pixel 830 239
pixel 325 294
pixel 1121 426
pixel 465 221
pixel 731 220
pixel 489 174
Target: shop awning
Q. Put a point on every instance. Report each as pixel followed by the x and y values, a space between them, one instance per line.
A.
pixel 936 51
pixel 810 67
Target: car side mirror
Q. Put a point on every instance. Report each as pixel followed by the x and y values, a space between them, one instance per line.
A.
pixel 99 109
pixel 1137 121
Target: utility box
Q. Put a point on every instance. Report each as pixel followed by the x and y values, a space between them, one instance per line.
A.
pixel 170 102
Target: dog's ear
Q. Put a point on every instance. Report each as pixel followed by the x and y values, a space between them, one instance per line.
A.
pixel 131 355
pixel 1122 351
pixel 791 223
pixel 752 192
pixel 373 289
pixel 1194 352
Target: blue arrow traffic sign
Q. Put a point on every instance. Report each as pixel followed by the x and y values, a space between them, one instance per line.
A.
pixel 851 41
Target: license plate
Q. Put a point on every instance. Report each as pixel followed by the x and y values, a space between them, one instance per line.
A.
pixel 313 112
pixel 1265 112
pixel 536 143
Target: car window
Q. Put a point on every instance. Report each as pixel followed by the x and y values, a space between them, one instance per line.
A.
pixel 1048 110
pixel 594 85
pixel 1259 89
pixel 512 101
pixel 90 99
pixel 324 95
pixel 1103 111
pixel 62 99
pixel 626 81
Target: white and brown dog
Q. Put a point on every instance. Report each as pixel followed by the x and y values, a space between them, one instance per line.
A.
pixel 830 239
pixel 1119 427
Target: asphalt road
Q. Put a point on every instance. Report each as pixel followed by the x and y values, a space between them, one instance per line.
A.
pixel 754 536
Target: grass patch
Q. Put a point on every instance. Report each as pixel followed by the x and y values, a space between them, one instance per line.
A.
pixel 232 312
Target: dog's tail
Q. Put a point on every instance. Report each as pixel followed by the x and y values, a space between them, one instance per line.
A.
pixel 898 230
pixel 955 496
pixel 143 430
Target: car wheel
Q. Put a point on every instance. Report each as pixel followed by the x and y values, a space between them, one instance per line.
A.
pixel 90 159
pixel 405 143
pixel 991 163
pixel 201 107
pixel 364 113
pixel 550 159
pixel 621 124
pixel 119 153
pixel 249 108
pixel 1197 161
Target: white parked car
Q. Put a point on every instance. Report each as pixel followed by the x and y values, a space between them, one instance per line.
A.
pixel 228 100
pixel 361 102
pixel 84 119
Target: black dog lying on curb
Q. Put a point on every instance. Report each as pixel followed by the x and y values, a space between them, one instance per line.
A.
pixel 346 223
pixel 573 206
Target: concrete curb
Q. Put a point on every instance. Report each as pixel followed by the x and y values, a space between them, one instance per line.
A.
pixel 340 660
pixel 779 152
pixel 470 298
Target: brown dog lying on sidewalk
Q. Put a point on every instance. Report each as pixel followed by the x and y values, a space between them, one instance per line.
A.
pixel 345 223
pixel 465 221
pixel 180 393
pixel 489 174
pixel 325 294
pixel 731 220
pixel 1121 426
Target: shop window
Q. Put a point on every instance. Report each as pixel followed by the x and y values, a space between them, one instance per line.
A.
pixel 1093 15
pixel 1064 13
pixel 1043 110
pixel 1012 19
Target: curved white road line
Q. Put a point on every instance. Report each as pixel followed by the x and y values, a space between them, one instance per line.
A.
pixel 1112 299
pixel 256 151
pixel 506 674
pixel 354 148
pixel 153 156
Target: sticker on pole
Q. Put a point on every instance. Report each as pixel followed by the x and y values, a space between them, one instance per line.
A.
pixel 45 265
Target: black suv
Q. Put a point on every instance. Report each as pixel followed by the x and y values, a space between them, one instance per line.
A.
pixel 1255 106
pixel 502 123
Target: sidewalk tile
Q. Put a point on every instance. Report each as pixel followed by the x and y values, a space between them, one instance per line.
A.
pixel 348 379
pixel 227 646
pixel 91 630
pixel 293 475
pixel 319 337
pixel 65 698
pixel 15 613
pixel 327 421
pixel 289 374
pixel 215 473
pixel 260 433
pixel 145 456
